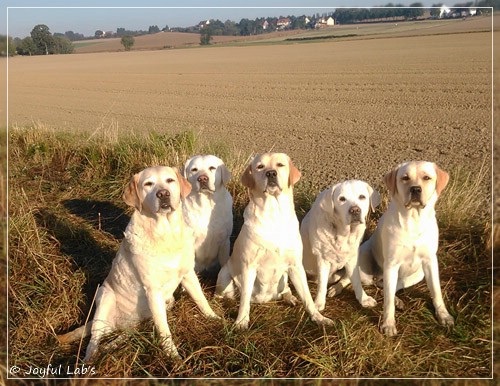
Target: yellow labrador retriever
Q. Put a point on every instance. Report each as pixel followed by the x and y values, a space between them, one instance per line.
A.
pixel 155 256
pixel 208 210
pixel 268 248
pixel 331 233
pixel 405 242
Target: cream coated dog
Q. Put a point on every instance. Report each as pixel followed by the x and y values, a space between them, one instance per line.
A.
pixel 155 256
pixel 405 242
pixel 268 248
pixel 208 210
pixel 331 233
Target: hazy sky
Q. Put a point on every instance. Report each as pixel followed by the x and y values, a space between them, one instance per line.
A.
pixel 92 16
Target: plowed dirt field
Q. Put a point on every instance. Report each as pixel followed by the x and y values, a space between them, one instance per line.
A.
pixel 341 109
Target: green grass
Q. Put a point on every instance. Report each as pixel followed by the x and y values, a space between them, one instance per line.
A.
pixel 85 44
pixel 66 222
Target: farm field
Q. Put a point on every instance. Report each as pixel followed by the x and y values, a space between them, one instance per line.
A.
pixel 81 124
pixel 379 101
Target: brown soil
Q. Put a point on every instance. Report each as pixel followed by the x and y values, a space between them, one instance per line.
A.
pixel 341 109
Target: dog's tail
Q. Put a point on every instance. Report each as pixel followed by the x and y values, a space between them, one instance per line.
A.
pixel 77 334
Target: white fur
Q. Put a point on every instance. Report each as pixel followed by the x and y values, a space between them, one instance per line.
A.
pixel 155 256
pixel 405 242
pixel 268 248
pixel 331 234
pixel 208 210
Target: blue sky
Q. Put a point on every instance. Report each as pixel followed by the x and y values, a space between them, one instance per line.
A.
pixel 20 21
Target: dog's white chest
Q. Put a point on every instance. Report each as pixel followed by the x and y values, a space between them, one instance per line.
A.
pixel 337 247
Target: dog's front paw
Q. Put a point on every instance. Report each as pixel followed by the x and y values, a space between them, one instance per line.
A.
pixel 321 320
pixel 214 316
pixel 242 324
pixel 445 318
pixel 335 290
pixel 399 304
pixel 368 302
pixel 389 329
pixel 289 299
pixel 171 350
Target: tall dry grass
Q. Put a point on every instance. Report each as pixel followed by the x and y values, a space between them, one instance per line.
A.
pixel 67 219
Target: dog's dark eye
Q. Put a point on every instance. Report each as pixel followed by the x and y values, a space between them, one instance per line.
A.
pixel 280 165
pixel 194 170
pixel 405 178
pixel 149 183
pixel 260 167
pixel 342 198
pixel 170 180
pixel 212 168
pixel 427 178
pixel 362 197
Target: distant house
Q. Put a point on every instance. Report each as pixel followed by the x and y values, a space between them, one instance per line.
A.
pixel 325 22
pixel 283 22
pixel 265 25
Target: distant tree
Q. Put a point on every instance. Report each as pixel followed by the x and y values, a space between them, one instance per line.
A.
pixel 153 29
pixel 435 10
pixel 127 42
pixel 63 45
pixel 7 46
pixel 166 29
pixel 120 31
pixel 230 28
pixel 99 34
pixel 206 36
pixel 73 36
pixel 43 39
pixel 489 3
pixel 26 47
pixel 246 27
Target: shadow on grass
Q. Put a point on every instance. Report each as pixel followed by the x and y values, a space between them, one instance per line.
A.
pixel 101 215
pixel 77 241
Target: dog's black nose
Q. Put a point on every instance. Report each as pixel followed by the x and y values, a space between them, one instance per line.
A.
pixel 355 209
pixel 163 194
pixel 271 174
pixel 415 190
pixel 203 179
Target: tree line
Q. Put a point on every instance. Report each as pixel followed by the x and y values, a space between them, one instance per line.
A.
pixel 41 42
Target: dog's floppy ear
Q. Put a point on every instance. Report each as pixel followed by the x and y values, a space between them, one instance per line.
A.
pixel 131 193
pixel 184 184
pixel 325 199
pixel 442 179
pixel 225 174
pixel 374 197
pixel 390 180
pixel 185 171
pixel 247 179
pixel 294 175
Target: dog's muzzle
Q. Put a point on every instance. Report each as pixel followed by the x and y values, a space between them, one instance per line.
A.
pixel 272 179
pixel 415 197
pixel 355 212
pixel 164 197
pixel 203 180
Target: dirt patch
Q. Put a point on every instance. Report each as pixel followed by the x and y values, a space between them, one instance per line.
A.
pixel 341 109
